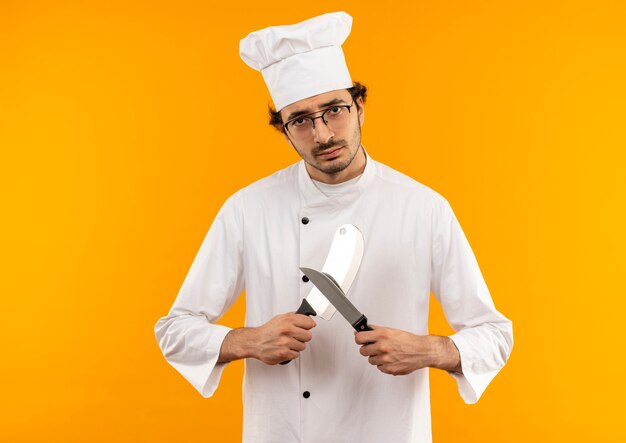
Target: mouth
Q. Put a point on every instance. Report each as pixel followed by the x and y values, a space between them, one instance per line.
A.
pixel 330 153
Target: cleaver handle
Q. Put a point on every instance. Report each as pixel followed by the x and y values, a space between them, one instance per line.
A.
pixel 304 309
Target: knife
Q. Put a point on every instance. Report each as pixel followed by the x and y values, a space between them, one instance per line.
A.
pixel 329 287
pixel 343 261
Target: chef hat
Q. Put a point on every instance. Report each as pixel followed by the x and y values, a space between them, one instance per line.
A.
pixel 301 60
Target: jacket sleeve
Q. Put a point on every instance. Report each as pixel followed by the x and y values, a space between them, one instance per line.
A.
pixel 188 336
pixel 483 336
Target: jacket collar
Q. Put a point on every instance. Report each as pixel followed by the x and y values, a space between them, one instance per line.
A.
pixel 312 197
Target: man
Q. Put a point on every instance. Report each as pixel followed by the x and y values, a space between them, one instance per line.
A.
pixel 341 386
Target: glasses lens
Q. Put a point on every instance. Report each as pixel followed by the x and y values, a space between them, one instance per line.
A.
pixel 300 128
pixel 336 117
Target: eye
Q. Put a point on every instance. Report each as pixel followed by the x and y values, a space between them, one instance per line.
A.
pixel 298 122
pixel 335 110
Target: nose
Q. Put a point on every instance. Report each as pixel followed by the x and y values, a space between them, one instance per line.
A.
pixel 321 132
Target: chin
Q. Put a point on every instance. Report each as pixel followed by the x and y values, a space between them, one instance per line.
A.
pixel 334 168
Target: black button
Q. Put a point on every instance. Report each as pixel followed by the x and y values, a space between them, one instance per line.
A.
pixel 306 394
pixel 305 220
pixel 305 278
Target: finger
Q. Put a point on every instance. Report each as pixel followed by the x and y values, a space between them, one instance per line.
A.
pixel 367 350
pixel 377 334
pixel 303 321
pixel 365 337
pixel 300 334
pixel 384 369
pixel 375 360
pixel 369 336
pixel 296 345
pixel 287 356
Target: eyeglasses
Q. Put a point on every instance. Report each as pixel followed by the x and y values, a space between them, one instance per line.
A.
pixel 335 118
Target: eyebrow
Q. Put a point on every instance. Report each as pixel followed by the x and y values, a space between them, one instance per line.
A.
pixel 334 101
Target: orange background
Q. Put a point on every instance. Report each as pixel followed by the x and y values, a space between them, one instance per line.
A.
pixel 124 125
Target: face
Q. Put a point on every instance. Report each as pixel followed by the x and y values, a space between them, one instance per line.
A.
pixel 328 152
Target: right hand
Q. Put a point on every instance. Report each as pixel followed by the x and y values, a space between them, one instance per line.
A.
pixel 282 338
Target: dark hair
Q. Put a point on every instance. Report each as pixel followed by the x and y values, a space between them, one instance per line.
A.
pixel 356 91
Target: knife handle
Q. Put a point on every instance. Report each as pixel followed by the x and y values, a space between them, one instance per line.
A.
pixel 361 324
pixel 304 309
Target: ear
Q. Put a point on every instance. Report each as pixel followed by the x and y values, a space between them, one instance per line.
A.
pixel 361 110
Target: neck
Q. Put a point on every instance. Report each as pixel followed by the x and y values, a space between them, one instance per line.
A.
pixel 354 169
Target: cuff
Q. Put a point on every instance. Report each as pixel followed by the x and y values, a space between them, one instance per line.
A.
pixel 471 384
pixel 198 363
pixel 215 369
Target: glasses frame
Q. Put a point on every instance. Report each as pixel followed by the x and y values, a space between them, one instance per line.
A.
pixel 323 111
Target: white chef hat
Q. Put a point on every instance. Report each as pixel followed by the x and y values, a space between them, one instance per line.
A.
pixel 301 60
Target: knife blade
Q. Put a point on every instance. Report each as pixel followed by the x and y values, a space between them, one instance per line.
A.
pixel 329 287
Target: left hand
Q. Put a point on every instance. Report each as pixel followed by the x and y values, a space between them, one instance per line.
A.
pixel 394 351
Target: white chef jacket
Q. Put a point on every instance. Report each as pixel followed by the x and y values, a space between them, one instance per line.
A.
pixel 413 244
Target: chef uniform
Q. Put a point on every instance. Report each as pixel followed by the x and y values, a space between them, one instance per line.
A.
pixel 413 245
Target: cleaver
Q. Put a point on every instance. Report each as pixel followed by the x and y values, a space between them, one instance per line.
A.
pixel 342 262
